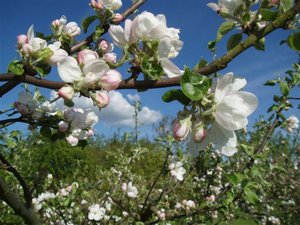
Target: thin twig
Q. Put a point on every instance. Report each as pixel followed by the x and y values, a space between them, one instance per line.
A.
pixel 26 189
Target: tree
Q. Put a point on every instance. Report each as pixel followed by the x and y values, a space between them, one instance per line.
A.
pixel 213 113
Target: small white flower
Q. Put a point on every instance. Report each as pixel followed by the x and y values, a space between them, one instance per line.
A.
pixel 130 190
pixel 96 212
pixel 292 123
pixel 177 171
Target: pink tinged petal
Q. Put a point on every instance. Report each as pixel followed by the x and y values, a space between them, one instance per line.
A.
pixel 72 140
pixel 117 34
pixel 170 68
pixel 97 67
pixel 69 70
pixel 127 30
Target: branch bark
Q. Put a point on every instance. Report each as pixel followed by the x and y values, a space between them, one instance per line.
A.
pixel 26 190
pixel 12 199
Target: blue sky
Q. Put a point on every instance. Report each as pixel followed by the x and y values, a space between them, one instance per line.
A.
pixel 198 25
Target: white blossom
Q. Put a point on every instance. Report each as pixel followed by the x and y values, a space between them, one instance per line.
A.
pixel 130 190
pixel 96 212
pixel 292 123
pixel 177 171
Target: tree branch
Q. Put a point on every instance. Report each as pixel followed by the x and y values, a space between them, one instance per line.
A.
pixel 13 200
pixel 10 168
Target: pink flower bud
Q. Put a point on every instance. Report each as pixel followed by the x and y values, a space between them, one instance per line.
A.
pixel 110 80
pixel 72 140
pixel 96 4
pixel 110 57
pixel 55 23
pixel 275 2
pixel 27 49
pixel 117 18
pixel 63 126
pixel 181 128
pixel 103 45
pixel 85 56
pixel 66 92
pixel 90 133
pixel 101 98
pixel 199 133
pixel 22 39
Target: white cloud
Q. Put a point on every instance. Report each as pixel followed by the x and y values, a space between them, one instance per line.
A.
pixel 119 112
pixel 134 97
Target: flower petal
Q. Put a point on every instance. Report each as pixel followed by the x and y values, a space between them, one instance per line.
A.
pixel 170 68
pixel 96 67
pixel 68 69
pixel 117 34
pixel 30 33
pixel 228 83
pixel 234 109
pixel 224 140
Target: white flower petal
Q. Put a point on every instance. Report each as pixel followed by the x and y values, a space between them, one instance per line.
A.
pixel 224 140
pixel 228 83
pixel 117 34
pixel 170 68
pixel 96 67
pixel 68 70
pixel 234 109
pixel 30 33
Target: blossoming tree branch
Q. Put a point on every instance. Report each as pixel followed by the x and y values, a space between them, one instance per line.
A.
pixel 215 107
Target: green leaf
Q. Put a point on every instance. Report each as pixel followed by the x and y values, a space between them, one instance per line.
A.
pixel 293 41
pixel 247 221
pixel 260 45
pixel 200 64
pixel 16 67
pixel 284 88
pixel 151 69
pixel 233 179
pixel 87 22
pixel 250 195
pixel 45 54
pixel 286 4
pixel 224 29
pixel 46 132
pixel 268 14
pixel 43 70
pixel 173 95
pixel 194 85
pixel 271 82
pixel 234 40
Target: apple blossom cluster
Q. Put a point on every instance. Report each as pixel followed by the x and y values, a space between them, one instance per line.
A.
pixel 63 31
pixel 292 123
pixel 30 107
pixel 35 50
pixel 160 43
pixel 46 196
pixel 77 124
pixel 87 72
pixel 229 110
